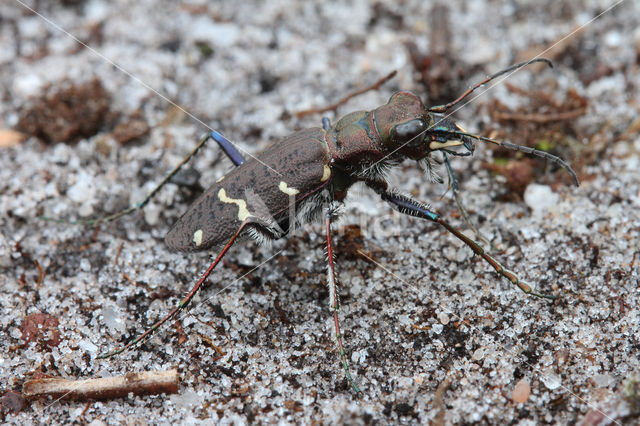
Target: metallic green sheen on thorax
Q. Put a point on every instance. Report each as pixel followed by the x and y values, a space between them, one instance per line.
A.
pixel 364 137
pixel 355 140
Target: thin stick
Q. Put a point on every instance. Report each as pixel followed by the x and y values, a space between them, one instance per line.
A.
pixel 142 383
pixel 40 274
pixel 444 108
pixel 344 100
pixel 438 401
pixel 540 118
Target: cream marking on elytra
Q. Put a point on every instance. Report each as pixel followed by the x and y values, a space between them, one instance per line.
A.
pixel 326 173
pixel 220 179
pixel 197 237
pixel 243 212
pixel 439 145
pixel 289 191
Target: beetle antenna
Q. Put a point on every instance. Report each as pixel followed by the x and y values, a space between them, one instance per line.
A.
pixel 444 108
pixel 554 159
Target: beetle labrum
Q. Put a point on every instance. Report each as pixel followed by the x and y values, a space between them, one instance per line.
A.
pixel 310 172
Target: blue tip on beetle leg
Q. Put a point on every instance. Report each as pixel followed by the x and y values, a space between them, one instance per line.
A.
pixel 326 124
pixel 228 148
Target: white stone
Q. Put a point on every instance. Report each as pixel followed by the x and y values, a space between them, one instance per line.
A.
pixel 540 197
pixel 113 321
pixel 82 190
pixel 551 380
pixel 86 345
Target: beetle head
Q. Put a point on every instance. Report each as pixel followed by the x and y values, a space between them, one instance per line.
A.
pixel 407 127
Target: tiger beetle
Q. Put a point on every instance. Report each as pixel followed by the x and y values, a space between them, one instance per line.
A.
pixel 309 173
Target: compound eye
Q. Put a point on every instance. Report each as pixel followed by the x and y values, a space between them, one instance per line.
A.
pixel 409 132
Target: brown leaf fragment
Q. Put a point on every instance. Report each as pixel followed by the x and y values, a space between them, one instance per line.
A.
pixel 12 402
pixel 42 329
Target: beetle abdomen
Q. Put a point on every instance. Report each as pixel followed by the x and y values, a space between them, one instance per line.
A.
pixel 261 190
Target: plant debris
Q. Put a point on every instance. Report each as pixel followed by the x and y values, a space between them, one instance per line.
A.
pixel 67 113
pixel 142 383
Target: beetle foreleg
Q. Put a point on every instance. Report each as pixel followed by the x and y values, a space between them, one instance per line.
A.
pixel 409 206
pixel 334 303
pixel 184 302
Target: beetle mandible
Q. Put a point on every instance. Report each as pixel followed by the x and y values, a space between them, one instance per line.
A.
pixel 310 171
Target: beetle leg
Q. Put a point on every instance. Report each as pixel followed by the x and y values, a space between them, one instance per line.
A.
pixel 456 194
pixel 227 147
pixel 411 207
pixel 150 195
pixel 334 303
pixel 184 302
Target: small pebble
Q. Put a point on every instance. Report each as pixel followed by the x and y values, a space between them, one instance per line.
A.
pixel 82 190
pixel 521 391
pixel 603 380
pixel 540 197
pixel 478 354
pixel 551 380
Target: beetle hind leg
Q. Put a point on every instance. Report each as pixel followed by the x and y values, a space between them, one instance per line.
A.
pixel 334 304
pixel 227 147
pixel 184 302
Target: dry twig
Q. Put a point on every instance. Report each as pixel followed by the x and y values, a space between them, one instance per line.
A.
pixel 143 383
pixel 344 100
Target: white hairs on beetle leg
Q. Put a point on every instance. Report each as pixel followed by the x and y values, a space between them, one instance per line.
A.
pixel 377 171
pixel 397 194
pixel 310 209
pixel 261 237
pixel 428 166
pixel 333 286
pixel 336 211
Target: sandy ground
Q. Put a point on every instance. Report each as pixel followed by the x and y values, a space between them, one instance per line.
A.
pixel 432 333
